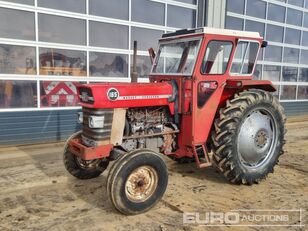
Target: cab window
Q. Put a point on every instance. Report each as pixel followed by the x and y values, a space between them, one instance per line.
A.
pixel 244 58
pixel 216 57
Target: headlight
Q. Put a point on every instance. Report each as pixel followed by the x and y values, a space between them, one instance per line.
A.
pixel 80 117
pixel 96 121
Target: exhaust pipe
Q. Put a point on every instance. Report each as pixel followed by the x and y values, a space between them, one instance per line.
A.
pixel 134 74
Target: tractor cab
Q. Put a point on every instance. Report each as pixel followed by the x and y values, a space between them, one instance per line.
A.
pixel 208 66
pixel 178 52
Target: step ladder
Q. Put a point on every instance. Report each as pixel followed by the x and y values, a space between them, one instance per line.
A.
pixel 201 148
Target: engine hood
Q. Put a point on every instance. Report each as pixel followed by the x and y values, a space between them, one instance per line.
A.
pixel 124 95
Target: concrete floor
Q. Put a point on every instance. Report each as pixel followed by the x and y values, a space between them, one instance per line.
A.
pixel 36 193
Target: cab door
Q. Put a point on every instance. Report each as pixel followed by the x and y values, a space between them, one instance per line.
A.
pixel 208 84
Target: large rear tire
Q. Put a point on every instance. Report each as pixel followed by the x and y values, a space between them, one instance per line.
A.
pixel 82 169
pixel 249 136
pixel 137 181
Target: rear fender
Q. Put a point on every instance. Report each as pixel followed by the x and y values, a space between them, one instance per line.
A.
pixel 246 84
pixel 235 86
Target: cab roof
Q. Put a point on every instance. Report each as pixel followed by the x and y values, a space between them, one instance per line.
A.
pixel 216 31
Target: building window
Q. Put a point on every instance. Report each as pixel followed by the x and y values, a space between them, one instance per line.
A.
pixel 18 94
pixel 305 38
pixel 276 93
pixel 302 92
pixel 273 53
pixel 175 17
pixel 112 9
pixel 304 57
pixel 146 38
pixel 108 35
pixel 299 3
pixel 276 12
pixel 156 14
pixel 58 94
pixel 293 36
pixel 274 33
pixel 288 92
pixel 271 73
pixel 290 55
pixel 17 24
pixel 143 66
pixel 108 65
pixel 303 75
pixel 234 23
pixel 78 6
pixel 289 74
pixel 60 29
pixel 256 8
pixel 257 72
pixel 236 6
pixel 255 26
pixel 294 17
pixel 17 59
pixel 306 19
pixel 62 62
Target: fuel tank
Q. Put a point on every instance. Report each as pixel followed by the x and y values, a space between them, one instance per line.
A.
pixel 125 95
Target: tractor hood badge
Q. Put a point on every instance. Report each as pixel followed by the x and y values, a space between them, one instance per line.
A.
pixel 113 94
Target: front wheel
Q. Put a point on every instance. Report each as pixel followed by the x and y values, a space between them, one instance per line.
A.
pixel 249 136
pixel 82 169
pixel 137 181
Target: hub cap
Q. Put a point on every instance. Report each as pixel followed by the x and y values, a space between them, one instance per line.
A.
pixel 257 138
pixel 141 184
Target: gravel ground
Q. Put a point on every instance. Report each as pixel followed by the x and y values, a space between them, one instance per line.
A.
pixel 38 194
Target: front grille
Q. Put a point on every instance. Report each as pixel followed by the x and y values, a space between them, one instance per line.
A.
pixel 97 133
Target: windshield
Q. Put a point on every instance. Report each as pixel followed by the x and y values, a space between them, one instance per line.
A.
pixel 176 57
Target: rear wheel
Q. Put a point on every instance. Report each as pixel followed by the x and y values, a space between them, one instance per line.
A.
pixel 79 168
pixel 249 136
pixel 137 181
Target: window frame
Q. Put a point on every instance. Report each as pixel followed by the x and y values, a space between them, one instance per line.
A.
pixel 234 74
pixel 195 38
pixel 230 56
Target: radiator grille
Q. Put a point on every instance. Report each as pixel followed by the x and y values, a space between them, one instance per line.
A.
pixel 97 133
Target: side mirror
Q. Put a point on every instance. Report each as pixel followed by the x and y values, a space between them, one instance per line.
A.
pixel 152 54
pixel 264 44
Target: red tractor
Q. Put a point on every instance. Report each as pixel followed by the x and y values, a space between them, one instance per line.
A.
pixel 201 105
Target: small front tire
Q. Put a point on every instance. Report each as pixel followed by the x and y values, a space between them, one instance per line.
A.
pixel 137 182
pixel 82 169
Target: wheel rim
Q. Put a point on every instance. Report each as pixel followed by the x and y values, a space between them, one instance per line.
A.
pixel 141 184
pixel 257 138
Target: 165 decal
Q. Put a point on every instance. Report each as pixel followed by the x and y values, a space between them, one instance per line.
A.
pixel 113 94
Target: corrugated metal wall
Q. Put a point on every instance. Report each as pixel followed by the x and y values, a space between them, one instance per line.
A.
pixel 37 126
pixel 295 108
pixel 41 126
